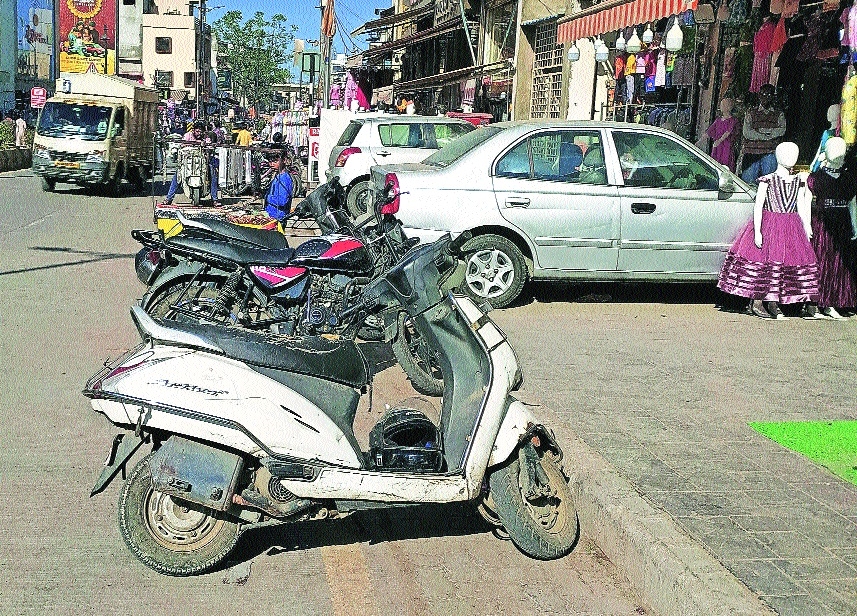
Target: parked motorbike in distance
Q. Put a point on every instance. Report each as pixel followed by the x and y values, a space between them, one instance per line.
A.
pixel 194 173
pixel 248 430
pixel 199 275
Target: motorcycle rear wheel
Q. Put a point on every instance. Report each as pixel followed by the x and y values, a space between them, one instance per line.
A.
pixel 417 359
pixel 173 537
pixel 546 527
pixel 191 304
pixel 195 195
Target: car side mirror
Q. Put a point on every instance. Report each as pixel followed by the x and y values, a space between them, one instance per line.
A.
pixel 725 182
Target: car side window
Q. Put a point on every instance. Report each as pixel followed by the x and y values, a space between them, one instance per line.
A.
pixel 516 162
pixel 445 133
pixel 561 156
pixel 653 161
pixel 405 135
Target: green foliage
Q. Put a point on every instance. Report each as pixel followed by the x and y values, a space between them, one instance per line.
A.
pixel 7 134
pixel 257 51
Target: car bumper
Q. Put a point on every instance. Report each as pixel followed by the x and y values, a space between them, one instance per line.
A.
pixel 427 236
pixel 86 172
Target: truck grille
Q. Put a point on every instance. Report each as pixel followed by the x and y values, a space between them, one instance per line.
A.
pixel 72 157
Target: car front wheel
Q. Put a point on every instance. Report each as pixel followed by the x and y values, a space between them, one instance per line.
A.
pixel 496 270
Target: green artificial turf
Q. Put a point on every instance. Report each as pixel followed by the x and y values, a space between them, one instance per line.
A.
pixel 833 444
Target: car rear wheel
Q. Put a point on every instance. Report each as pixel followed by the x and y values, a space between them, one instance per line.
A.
pixel 359 199
pixel 495 270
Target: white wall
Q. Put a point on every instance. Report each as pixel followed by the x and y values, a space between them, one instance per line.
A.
pixel 580 83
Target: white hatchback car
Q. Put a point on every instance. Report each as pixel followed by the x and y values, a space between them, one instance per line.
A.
pixel 390 139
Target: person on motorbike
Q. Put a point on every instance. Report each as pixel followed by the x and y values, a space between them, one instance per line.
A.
pixel 197 135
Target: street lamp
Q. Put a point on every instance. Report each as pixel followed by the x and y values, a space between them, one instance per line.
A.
pixel 104 40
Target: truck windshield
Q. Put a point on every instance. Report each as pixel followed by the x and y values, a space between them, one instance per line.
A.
pixel 87 122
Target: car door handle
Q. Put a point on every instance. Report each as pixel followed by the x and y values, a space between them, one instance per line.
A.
pixel 517 202
pixel 383 153
pixel 642 208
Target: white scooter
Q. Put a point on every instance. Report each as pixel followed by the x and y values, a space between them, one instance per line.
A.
pixel 250 429
pixel 195 173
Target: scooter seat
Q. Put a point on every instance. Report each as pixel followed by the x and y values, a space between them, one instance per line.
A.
pixel 222 230
pixel 225 250
pixel 337 360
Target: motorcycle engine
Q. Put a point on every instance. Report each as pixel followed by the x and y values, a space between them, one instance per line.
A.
pixel 322 313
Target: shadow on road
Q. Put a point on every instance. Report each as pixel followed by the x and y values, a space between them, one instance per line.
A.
pixel 374 526
pixel 624 292
pixel 95 257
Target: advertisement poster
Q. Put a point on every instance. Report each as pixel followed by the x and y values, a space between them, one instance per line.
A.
pixel 35 39
pixel 87 36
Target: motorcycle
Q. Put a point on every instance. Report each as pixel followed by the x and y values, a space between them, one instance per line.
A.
pixel 248 430
pixel 303 291
pixel 194 173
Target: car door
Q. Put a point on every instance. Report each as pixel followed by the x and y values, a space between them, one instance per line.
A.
pixel 674 219
pixel 553 185
pixel 403 142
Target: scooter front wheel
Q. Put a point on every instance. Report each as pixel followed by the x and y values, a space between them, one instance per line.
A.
pixel 171 536
pixel 544 527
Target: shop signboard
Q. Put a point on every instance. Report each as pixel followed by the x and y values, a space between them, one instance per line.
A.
pixel 35 39
pixel 87 36
pixel 224 79
pixel 38 97
pixel 468 92
pixel 314 138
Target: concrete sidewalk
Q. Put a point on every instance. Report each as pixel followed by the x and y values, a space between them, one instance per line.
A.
pixel 665 394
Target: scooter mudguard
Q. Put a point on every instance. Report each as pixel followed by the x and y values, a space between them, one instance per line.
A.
pixel 515 425
pixel 121 449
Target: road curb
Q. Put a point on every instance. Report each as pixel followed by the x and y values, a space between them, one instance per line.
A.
pixel 673 574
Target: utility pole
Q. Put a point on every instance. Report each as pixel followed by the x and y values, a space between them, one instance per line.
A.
pixel 200 58
pixel 324 43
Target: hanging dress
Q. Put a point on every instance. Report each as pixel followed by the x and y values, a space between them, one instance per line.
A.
pixel 784 269
pixel 724 153
pixel 831 237
pixel 762 56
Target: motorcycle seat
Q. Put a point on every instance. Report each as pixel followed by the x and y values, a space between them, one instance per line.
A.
pixel 234 252
pixel 259 238
pixel 338 360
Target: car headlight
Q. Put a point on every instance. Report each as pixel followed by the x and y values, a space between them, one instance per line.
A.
pixel 42 153
pixel 95 157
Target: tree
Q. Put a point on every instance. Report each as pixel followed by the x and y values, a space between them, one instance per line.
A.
pixel 257 51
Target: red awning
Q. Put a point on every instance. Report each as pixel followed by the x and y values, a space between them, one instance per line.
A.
pixel 617 14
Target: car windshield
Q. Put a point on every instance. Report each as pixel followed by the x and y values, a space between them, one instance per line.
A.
pixel 89 122
pixel 461 146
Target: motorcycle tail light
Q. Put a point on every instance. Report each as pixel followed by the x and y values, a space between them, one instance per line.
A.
pixel 344 154
pixel 392 206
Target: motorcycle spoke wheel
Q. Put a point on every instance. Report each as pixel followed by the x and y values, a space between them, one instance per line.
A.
pixel 543 527
pixel 417 359
pixel 171 536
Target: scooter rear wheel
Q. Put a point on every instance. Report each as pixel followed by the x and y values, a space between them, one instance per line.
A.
pixel 545 527
pixel 171 536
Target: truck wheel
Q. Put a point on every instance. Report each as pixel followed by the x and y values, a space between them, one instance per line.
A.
pixel 496 270
pixel 359 199
pixel 195 195
pixel 137 177
pixel 111 188
pixel 543 527
pixel 169 535
pixel 48 184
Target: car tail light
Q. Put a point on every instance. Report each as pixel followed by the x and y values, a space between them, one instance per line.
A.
pixel 392 206
pixel 344 154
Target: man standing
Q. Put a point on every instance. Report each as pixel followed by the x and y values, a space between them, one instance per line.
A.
pixel 196 136
pixel 20 131
pixel 244 136
pixel 763 130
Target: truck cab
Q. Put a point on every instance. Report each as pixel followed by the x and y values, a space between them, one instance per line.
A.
pixel 97 130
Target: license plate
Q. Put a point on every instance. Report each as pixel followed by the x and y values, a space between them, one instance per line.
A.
pixel 66 164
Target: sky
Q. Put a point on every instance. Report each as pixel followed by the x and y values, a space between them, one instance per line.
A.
pixel 305 15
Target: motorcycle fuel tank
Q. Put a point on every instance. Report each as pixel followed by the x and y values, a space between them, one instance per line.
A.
pixel 335 253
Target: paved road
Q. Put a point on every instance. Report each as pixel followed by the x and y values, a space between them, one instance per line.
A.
pixel 66 283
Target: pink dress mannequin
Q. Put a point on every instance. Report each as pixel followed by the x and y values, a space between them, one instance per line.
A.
pixel 723 132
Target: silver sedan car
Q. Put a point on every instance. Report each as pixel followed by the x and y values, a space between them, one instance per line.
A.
pixel 573 200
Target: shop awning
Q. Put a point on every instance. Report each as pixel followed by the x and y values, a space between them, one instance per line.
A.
pixel 617 14
pixel 449 26
pixel 433 81
pixel 424 9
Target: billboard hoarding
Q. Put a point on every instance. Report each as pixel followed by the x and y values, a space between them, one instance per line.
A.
pixel 87 36
pixel 35 39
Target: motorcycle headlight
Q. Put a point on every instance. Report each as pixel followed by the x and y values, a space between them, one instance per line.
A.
pixel 42 153
pixel 95 157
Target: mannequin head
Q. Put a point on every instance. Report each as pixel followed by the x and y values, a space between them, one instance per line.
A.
pixel 766 95
pixel 726 107
pixel 833 115
pixel 834 152
pixel 787 153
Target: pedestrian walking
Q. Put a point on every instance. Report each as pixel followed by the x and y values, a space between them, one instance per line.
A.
pixel 20 132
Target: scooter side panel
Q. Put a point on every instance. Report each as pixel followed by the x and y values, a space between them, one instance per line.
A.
pixel 210 389
pixel 515 423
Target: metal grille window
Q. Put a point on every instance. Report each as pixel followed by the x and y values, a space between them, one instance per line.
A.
pixel 547 73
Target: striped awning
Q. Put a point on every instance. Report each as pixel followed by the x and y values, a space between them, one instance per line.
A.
pixel 617 14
